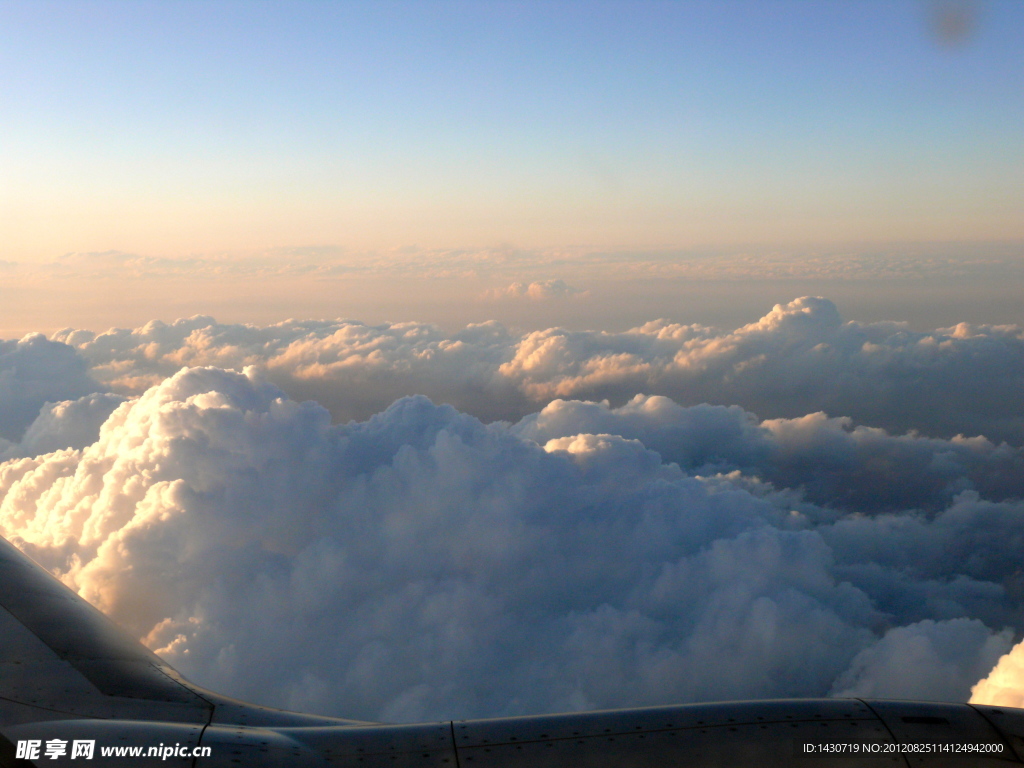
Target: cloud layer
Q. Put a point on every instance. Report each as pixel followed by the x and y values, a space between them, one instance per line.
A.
pixel 423 564
pixel 902 262
pixel 1004 685
pixel 798 359
pixel 834 464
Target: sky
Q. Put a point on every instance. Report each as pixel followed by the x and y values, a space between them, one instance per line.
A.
pixel 405 361
pixel 369 139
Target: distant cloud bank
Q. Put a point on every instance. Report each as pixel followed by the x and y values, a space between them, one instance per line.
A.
pixel 798 507
pixel 894 262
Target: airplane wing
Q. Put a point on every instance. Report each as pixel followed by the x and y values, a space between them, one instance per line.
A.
pixel 76 690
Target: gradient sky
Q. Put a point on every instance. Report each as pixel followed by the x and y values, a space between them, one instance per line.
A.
pixel 172 128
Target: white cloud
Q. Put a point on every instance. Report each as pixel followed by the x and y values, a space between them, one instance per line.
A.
pixel 352 368
pixel 422 564
pixel 834 463
pixel 68 424
pixel 798 359
pixel 797 492
pixel 33 372
pixel 926 660
pixel 537 291
pixel 1004 684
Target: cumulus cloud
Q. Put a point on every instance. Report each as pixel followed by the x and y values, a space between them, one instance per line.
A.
pixel 800 358
pixel 536 291
pixel 422 564
pixel 836 464
pixel 69 423
pixel 1004 685
pixel 928 659
pixel 352 368
pixel 800 506
pixel 35 371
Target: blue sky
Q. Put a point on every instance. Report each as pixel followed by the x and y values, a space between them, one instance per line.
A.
pixel 169 127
